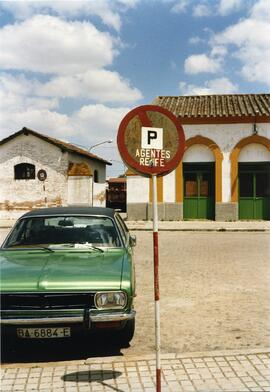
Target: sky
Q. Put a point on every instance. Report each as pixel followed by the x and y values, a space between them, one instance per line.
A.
pixel 73 69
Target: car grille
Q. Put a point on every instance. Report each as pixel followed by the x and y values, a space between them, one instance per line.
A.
pixel 48 301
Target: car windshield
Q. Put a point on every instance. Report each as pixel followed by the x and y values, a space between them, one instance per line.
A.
pixel 56 230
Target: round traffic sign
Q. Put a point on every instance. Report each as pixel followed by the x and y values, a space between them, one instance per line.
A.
pixel 151 140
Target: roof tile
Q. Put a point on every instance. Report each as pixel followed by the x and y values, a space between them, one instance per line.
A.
pixel 212 106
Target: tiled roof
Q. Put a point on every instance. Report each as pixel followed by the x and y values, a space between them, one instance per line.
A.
pixel 59 143
pixel 235 106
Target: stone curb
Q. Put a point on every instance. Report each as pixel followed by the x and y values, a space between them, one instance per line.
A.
pixel 201 230
pixel 168 356
pixel 142 357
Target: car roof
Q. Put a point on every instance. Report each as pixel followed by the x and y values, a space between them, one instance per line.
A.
pixel 70 211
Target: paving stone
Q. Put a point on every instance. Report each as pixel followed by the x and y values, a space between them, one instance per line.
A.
pixel 202 374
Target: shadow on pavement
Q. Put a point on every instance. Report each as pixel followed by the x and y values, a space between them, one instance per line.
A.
pixel 96 376
pixel 15 350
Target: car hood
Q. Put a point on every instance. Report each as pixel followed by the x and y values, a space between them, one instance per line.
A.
pixel 37 270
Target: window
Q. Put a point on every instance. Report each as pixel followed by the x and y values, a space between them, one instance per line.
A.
pixel 65 230
pixel 122 227
pixel 95 176
pixel 24 171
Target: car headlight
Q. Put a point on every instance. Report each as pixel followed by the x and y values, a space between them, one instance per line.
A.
pixel 110 300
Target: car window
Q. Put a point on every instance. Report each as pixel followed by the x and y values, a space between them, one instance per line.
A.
pixel 122 227
pixel 99 231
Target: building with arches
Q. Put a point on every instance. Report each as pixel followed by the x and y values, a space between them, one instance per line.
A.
pixel 40 171
pixel 225 171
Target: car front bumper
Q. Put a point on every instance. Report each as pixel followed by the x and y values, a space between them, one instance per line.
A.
pixel 87 318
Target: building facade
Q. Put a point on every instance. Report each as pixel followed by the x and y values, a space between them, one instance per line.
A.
pixel 225 170
pixel 39 171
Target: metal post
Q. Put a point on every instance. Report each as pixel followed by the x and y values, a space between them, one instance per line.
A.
pixel 156 284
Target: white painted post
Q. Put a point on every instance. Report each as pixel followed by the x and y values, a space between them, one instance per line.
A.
pixel 156 285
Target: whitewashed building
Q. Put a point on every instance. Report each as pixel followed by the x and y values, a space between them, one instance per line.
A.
pixel 225 171
pixel 37 170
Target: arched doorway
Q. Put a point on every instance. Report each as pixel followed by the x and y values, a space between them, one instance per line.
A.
pixel 250 171
pixel 201 178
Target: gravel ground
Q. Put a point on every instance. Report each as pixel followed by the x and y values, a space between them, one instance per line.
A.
pixel 215 294
pixel 215 291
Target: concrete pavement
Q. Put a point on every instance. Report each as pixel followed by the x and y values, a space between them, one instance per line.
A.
pixel 197 225
pixel 235 371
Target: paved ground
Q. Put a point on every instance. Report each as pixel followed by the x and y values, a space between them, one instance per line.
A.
pixel 208 372
pixel 198 225
pixel 215 291
pixel 215 295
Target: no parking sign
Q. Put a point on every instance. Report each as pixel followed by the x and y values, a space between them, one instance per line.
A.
pixel 151 142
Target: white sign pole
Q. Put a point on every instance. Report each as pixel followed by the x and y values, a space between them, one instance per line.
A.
pixel 153 152
pixel 156 284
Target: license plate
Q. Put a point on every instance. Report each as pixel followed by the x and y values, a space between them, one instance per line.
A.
pixel 43 333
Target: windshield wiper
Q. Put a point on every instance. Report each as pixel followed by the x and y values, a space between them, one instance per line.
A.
pixel 44 248
pixel 88 246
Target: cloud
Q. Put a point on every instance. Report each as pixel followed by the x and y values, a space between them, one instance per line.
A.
pixel 180 6
pixel 226 7
pixel 99 119
pixel 249 42
pixel 98 84
pixel 214 86
pixel 21 106
pixel 196 40
pixel 202 10
pixel 198 63
pixel 18 94
pixel 108 11
pixel 89 125
pixel 48 44
pixel 219 51
pixel 72 55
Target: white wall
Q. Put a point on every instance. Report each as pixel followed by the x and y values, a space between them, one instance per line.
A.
pixel 43 155
pixel 99 194
pixel 137 189
pixel 79 190
pixel 254 152
pixel 169 188
pixel 19 196
pixel 198 153
pixel 226 136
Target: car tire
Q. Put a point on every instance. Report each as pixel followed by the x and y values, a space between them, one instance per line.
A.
pixel 126 334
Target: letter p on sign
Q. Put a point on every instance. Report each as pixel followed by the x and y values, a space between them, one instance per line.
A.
pixel 152 138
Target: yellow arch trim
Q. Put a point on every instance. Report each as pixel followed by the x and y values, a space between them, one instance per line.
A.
pixel 234 160
pixel 218 167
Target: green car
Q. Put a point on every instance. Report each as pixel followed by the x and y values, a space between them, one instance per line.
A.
pixel 66 270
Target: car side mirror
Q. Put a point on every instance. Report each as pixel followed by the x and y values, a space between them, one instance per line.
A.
pixel 132 240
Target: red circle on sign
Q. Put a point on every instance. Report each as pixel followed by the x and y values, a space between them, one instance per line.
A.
pixel 141 111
